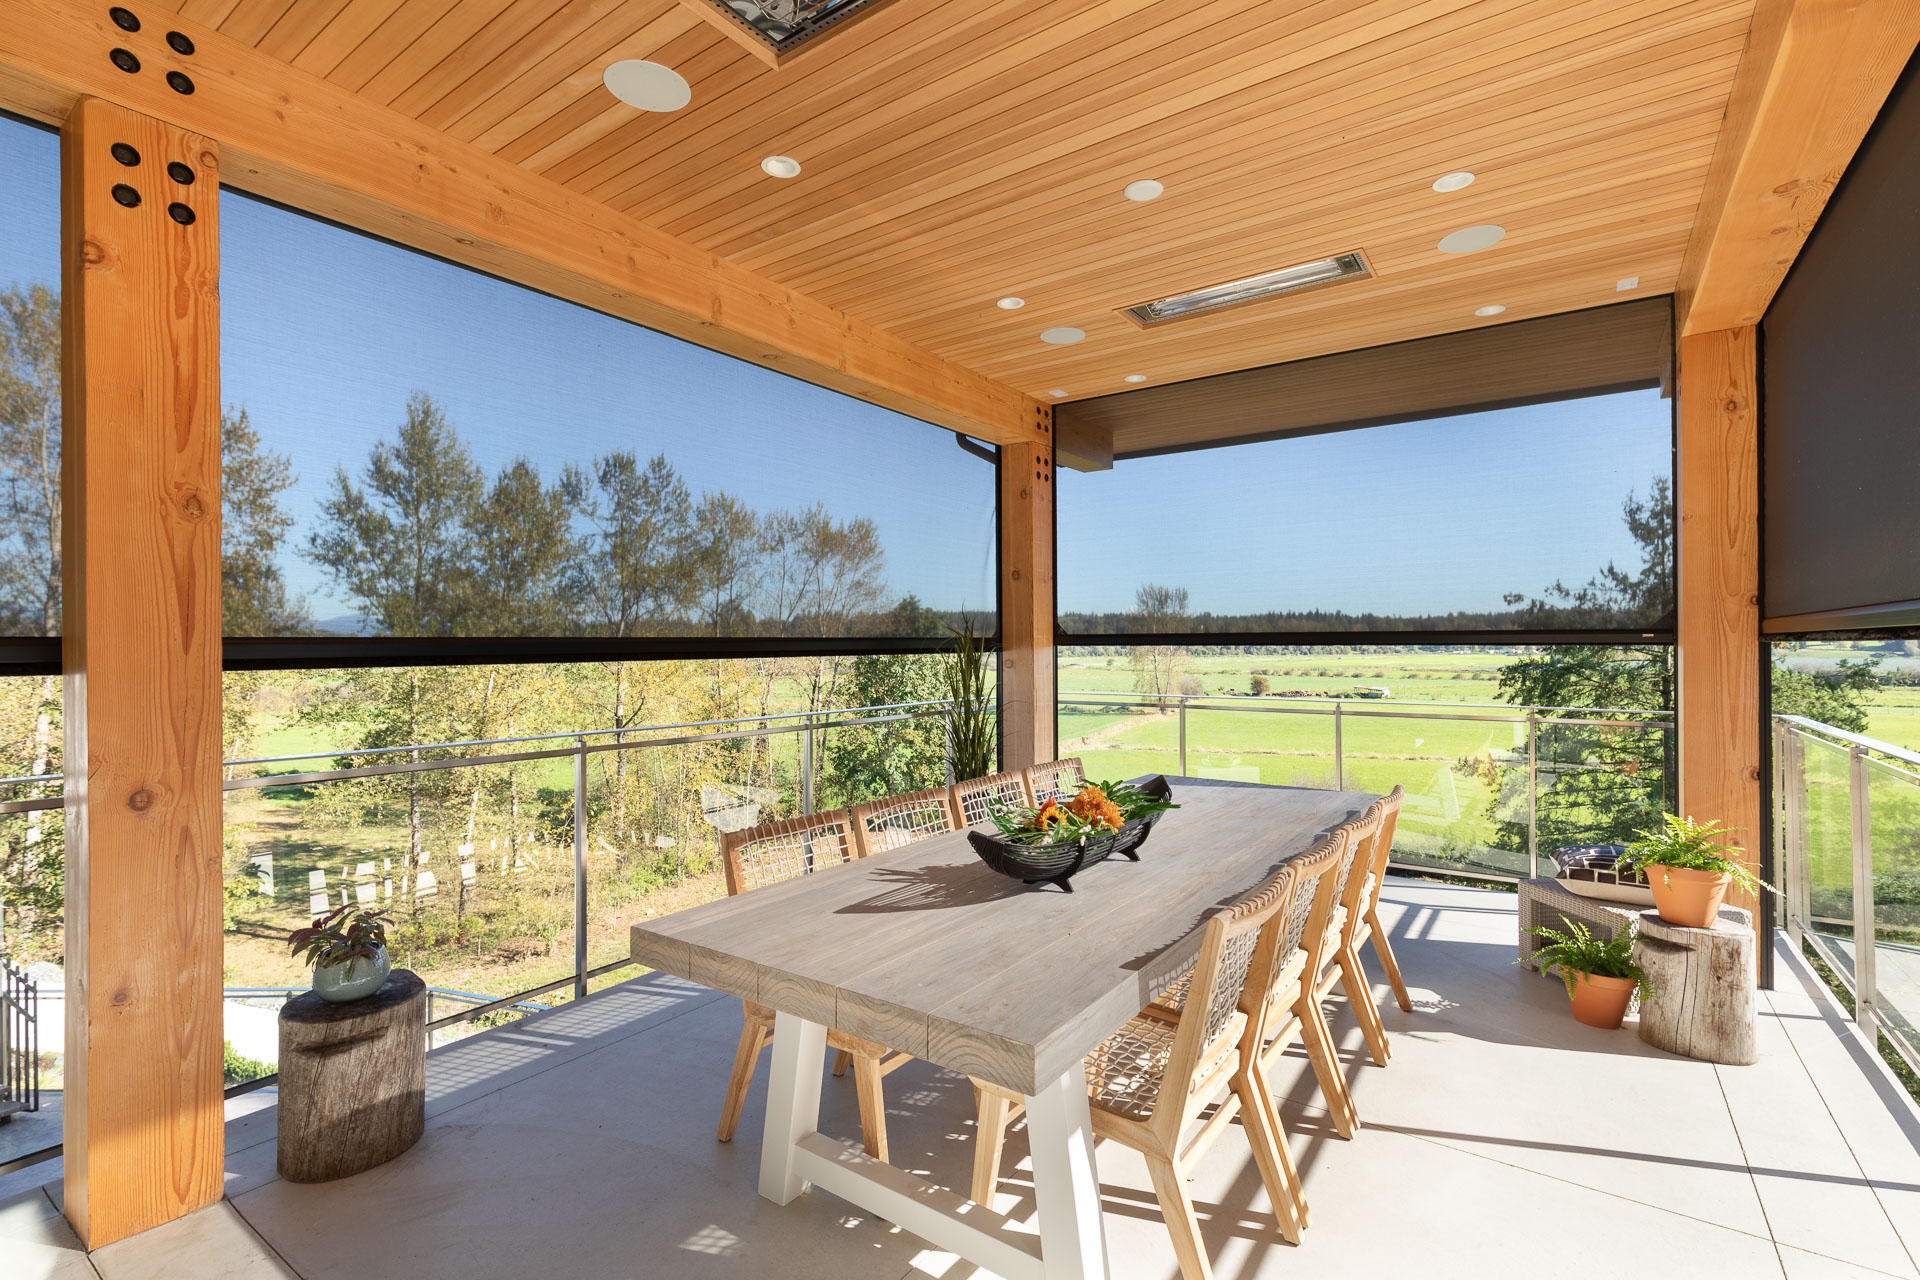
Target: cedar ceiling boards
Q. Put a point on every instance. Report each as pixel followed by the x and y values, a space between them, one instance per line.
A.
pixel 957 151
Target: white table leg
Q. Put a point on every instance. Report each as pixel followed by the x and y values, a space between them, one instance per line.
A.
pixel 1066 1184
pixel 793 1103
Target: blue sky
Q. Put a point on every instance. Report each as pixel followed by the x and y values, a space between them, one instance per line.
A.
pixel 1415 518
pixel 325 333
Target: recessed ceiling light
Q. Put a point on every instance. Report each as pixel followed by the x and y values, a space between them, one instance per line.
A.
pixel 1011 304
pixel 1453 181
pixel 647 85
pixel 1056 392
pixel 1269 284
pixel 1626 283
pixel 1472 239
pixel 1492 310
pixel 1135 377
pixel 1144 190
pixel 781 167
pixel 1063 336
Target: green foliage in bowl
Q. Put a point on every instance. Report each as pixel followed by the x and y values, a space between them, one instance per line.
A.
pixel 1578 950
pixel 1692 846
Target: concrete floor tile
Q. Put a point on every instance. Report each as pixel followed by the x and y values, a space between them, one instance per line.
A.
pixel 213 1244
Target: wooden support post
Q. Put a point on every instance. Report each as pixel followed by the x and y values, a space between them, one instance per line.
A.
pixel 1027 731
pixel 141 645
pixel 1720 666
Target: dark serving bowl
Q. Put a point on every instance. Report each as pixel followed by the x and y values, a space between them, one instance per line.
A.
pixel 1058 863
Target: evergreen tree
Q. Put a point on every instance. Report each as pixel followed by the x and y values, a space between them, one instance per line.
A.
pixel 523 555
pixel 253 524
pixel 400 542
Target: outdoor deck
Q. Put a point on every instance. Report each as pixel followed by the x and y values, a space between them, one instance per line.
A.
pixel 1505 1140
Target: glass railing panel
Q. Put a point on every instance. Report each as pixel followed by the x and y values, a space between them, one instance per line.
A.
pixel 1120 739
pixel 473 862
pixel 33 991
pixel 1828 849
pixel 1465 808
pixel 1248 742
pixel 1894 793
pixel 1599 783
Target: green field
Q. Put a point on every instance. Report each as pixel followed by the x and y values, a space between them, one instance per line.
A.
pixel 1442 732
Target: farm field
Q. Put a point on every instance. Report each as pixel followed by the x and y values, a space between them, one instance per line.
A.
pixel 1441 731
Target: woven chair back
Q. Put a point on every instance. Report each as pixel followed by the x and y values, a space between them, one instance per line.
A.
pixel 1056 779
pixel 974 800
pixel 898 821
pixel 779 851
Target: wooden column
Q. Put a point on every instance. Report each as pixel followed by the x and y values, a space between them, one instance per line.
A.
pixel 1027 729
pixel 141 575
pixel 1720 666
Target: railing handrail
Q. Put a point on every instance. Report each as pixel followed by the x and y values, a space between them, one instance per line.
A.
pixel 816 719
pixel 1820 729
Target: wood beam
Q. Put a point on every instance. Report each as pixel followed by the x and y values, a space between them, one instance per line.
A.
pixel 1812 79
pixel 1720 667
pixel 1027 728
pixel 140 484
pixel 294 137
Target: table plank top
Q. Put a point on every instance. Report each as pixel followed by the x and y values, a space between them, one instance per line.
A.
pixel 926 950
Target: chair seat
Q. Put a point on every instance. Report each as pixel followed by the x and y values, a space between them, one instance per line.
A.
pixel 1125 1074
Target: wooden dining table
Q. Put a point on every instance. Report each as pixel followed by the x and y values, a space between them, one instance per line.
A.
pixel 926 950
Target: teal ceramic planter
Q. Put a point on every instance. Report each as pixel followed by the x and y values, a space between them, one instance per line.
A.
pixel 355 980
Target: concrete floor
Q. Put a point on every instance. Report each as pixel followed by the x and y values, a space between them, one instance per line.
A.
pixel 1506 1140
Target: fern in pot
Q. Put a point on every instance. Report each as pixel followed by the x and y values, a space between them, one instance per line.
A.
pixel 1690 870
pixel 1600 974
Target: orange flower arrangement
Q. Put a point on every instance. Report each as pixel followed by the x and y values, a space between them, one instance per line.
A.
pixel 1093 807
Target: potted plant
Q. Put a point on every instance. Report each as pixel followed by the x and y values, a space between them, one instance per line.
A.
pixel 347 948
pixel 1600 974
pixel 1689 870
pixel 973 746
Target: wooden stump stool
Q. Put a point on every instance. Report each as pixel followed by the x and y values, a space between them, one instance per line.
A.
pixel 1703 980
pixel 353 1079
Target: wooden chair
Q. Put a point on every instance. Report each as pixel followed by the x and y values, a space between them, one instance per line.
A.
pixel 1056 780
pixel 898 821
pixel 1308 942
pixel 1154 1076
pixel 973 800
pixel 770 854
pixel 1367 927
pixel 1359 904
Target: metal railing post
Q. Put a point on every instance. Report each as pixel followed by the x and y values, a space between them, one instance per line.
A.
pixel 1799 836
pixel 1183 736
pixel 580 870
pixel 946 722
pixel 1865 990
pixel 1533 794
pixel 806 769
pixel 1339 752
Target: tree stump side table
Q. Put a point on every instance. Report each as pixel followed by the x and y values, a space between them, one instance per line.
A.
pixel 353 1079
pixel 1703 987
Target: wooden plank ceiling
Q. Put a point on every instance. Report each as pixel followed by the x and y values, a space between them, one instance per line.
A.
pixel 960 151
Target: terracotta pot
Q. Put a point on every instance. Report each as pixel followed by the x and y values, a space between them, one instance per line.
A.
pixel 1601 1002
pixel 1688 898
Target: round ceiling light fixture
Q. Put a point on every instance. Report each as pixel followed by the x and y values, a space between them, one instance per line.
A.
pixel 780 167
pixel 1135 377
pixel 1493 310
pixel 1144 190
pixel 1064 336
pixel 1011 304
pixel 647 85
pixel 1472 239
pixel 1453 181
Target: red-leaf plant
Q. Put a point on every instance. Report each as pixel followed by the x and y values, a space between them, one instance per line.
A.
pixel 331 940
